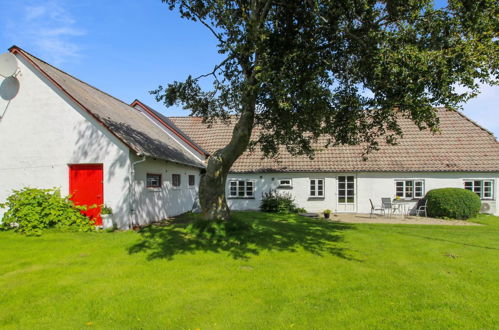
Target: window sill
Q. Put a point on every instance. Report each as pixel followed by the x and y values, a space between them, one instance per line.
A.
pixel 240 197
pixel 316 198
pixel 154 189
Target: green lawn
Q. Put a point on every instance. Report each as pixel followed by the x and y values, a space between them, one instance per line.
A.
pixel 286 272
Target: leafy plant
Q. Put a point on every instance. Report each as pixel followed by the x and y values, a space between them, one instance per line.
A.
pixel 453 203
pixel 327 211
pixel 106 210
pixel 32 210
pixel 278 202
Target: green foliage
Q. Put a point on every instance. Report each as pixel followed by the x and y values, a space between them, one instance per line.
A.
pixel 327 211
pixel 106 210
pixel 32 210
pixel 344 69
pixel 454 203
pixel 278 202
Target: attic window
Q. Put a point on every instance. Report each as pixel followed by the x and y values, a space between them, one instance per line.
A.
pixel 153 180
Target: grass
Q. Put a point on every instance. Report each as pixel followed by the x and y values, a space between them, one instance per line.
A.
pixel 266 271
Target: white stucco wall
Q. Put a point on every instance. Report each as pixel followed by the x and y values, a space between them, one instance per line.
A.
pixel 153 204
pixel 43 131
pixel 368 186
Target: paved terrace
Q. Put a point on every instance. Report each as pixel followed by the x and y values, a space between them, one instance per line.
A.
pixel 397 219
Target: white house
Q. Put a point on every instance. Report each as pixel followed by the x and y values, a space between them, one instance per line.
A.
pixel 462 155
pixel 57 131
pixel 61 132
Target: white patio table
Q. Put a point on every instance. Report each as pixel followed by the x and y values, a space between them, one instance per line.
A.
pixel 400 207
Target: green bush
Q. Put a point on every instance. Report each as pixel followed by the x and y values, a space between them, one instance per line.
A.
pixel 454 203
pixel 278 202
pixel 31 210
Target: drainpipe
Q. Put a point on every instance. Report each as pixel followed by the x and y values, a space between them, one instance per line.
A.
pixel 132 185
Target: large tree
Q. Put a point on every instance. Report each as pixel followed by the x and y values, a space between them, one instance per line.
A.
pixel 345 69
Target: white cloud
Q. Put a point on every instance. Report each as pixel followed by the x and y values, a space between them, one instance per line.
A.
pixel 47 28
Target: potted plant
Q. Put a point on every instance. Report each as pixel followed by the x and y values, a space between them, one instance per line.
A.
pixel 107 217
pixel 327 214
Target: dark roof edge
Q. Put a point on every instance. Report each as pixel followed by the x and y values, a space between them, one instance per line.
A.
pixel 171 126
pixel 16 49
pixel 273 171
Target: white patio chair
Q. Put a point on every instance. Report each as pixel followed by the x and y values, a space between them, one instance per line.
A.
pixel 374 209
pixel 422 208
pixel 387 204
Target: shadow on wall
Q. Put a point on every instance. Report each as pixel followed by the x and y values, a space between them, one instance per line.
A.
pixel 152 146
pixel 162 203
pixel 96 146
pixel 247 234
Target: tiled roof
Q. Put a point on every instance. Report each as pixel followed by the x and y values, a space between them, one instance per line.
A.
pixel 460 146
pixel 133 128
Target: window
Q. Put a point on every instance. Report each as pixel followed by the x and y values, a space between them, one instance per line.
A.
pixel 346 189
pixel 409 189
pixel 241 189
pixel 153 180
pixel 285 183
pixel 176 180
pixel 316 188
pixel 192 180
pixel 483 188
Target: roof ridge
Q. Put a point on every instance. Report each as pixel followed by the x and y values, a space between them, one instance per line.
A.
pixel 70 75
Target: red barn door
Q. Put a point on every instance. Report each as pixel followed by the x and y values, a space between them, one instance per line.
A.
pixel 86 188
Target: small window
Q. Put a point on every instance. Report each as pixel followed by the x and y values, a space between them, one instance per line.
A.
pixel 483 188
pixel 316 188
pixel 192 180
pixel 176 180
pixel 153 180
pixel 285 183
pixel 409 189
pixel 241 189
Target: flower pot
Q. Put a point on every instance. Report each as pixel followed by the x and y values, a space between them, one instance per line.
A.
pixel 107 221
pixel 326 215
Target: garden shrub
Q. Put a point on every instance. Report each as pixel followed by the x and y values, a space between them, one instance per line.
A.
pixel 454 203
pixel 32 210
pixel 278 202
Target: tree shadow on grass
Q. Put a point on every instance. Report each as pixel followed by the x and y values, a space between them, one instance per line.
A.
pixel 246 234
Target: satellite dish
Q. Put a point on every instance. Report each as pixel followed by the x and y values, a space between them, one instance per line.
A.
pixel 8 64
pixel 9 88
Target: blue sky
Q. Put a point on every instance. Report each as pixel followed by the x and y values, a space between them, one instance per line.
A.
pixel 129 47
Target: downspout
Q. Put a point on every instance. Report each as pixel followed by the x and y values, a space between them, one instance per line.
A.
pixel 132 185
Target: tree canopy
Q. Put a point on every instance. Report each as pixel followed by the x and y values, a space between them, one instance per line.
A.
pixel 344 69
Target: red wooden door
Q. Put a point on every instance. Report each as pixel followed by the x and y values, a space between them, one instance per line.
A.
pixel 86 188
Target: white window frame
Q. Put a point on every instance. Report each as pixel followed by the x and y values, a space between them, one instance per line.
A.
pixel 284 185
pixel 314 191
pixel 480 191
pixel 413 191
pixel 241 184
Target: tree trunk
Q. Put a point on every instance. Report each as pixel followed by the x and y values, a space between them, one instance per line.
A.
pixel 213 181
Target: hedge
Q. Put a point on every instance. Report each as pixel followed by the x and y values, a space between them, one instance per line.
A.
pixel 454 203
